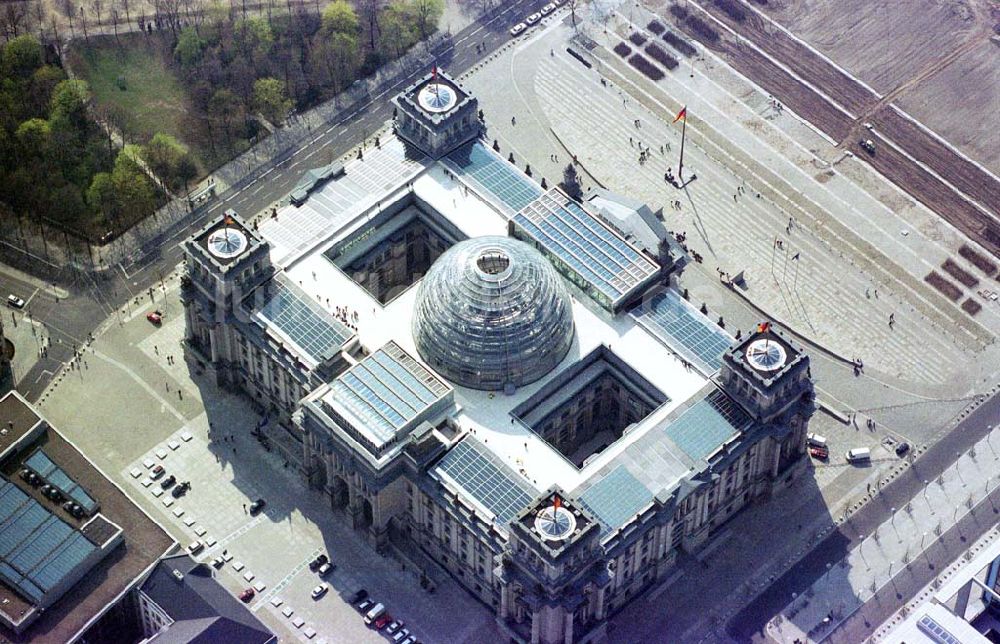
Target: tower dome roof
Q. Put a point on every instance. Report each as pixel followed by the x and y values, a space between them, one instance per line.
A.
pixel 492 313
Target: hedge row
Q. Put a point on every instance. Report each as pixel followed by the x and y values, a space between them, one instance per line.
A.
pixel 623 50
pixel 656 53
pixel 646 67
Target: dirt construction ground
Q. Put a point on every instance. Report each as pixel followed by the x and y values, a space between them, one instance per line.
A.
pixel 956 36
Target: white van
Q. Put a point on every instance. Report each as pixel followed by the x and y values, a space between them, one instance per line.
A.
pixel 377 611
pixel 815 440
pixel 859 455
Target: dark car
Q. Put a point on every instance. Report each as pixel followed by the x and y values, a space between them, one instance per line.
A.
pixel 257 506
pixel 181 489
pixel 902 449
pixel 247 595
pixel 317 562
pixel 358 596
pixel 167 482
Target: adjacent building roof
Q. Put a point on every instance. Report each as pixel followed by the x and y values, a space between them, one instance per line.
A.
pixel 59 539
pixel 38 550
pixel 588 247
pixel 203 611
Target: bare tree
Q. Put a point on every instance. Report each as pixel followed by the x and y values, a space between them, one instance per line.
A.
pixel 14 17
pixel 128 18
pixel 70 10
pixel 114 24
pixel 98 8
pixel 39 12
pixel 83 22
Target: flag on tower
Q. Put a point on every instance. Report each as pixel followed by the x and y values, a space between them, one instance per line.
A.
pixel 228 221
pixel 763 327
pixel 556 502
pixel 434 74
pixel 682 115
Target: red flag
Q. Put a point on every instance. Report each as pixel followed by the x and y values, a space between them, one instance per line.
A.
pixel 682 115
pixel 763 327
pixel 556 503
pixel 434 72
pixel 228 220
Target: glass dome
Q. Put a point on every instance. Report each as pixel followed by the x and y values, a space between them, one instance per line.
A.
pixel 492 313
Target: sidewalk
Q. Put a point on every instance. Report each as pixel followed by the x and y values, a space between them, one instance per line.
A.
pixel 892 551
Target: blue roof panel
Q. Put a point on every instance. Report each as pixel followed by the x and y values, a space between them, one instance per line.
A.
pixel 616 498
pixel 707 424
pixel 684 329
pixel 487 479
pixel 496 176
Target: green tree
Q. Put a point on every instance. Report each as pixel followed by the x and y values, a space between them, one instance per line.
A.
pixel 34 136
pixel 270 100
pixel 42 85
pixel 190 47
pixel 163 154
pixel 134 195
pixel 339 17
pixel 69 101
pixel 428 13
pixel 22 56
pixel 101 196
pixel 254 37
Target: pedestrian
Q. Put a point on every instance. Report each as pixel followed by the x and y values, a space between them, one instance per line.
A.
pixel 156 350
pixel 868 294
pixel 513 120
pixel 244 508
pixel 734 198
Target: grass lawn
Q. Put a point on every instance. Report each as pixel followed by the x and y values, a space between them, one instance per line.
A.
pixel 153 100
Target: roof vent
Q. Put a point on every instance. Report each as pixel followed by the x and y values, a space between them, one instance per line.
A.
pixel 178 575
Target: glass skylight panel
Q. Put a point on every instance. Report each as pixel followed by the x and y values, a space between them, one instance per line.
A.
pixel 308 325
pixel 487 479
pixel 495 175
pixel 684 329
pixel 707 424
pixel 616 498
pixel 586 245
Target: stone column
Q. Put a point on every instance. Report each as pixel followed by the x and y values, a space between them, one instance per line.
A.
pixel 536 628
pixel 568 627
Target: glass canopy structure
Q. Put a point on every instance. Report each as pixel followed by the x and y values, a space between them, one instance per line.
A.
pixel 491 314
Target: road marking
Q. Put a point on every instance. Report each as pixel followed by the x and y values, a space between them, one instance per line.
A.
pixel 142 383
pixel 31 297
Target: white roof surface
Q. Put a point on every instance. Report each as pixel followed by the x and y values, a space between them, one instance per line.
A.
pixel 301 253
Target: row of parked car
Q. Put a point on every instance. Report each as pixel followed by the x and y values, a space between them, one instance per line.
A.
pixel 819 449
pixel 535 18
pixel 378 618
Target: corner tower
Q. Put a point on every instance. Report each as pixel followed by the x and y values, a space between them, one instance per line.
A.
pixel 226 260
pixel 553 574
pixel 436 114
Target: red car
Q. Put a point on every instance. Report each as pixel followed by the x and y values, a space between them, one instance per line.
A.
pixel 380 623
pixel 155 317
pixel 247 595
pixel 821 453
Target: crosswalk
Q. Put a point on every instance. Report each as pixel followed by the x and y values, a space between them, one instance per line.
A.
pixel 821 293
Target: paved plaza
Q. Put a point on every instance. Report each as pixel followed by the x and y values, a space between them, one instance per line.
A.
pixel 142 410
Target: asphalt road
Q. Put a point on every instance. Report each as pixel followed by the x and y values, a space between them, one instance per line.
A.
pixel 93 299
pixel 748 624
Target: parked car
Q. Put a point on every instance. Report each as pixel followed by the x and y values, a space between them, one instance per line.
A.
pixel 320 590
pixel 902 449
pixel 867 145
pixel 257 506
pixel 410 640
pixel 365 605
pixel 401 635
pixel 394 626
pixel 317 562
pixel 821 453
pixel 15 302
pixel 157 472
pixel 859 455
pixel 167 482
pixel 155 317
pixel 533 19
pixel 358 596
pixel 326 569
pixel 247 595
pixel 547 9
pixel 380 622
pixel 181 489
pixel 518 29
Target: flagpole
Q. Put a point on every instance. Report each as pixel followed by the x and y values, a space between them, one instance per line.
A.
pixel 795 284
pixel 784 271
pixel 680 164
pixel 774 246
